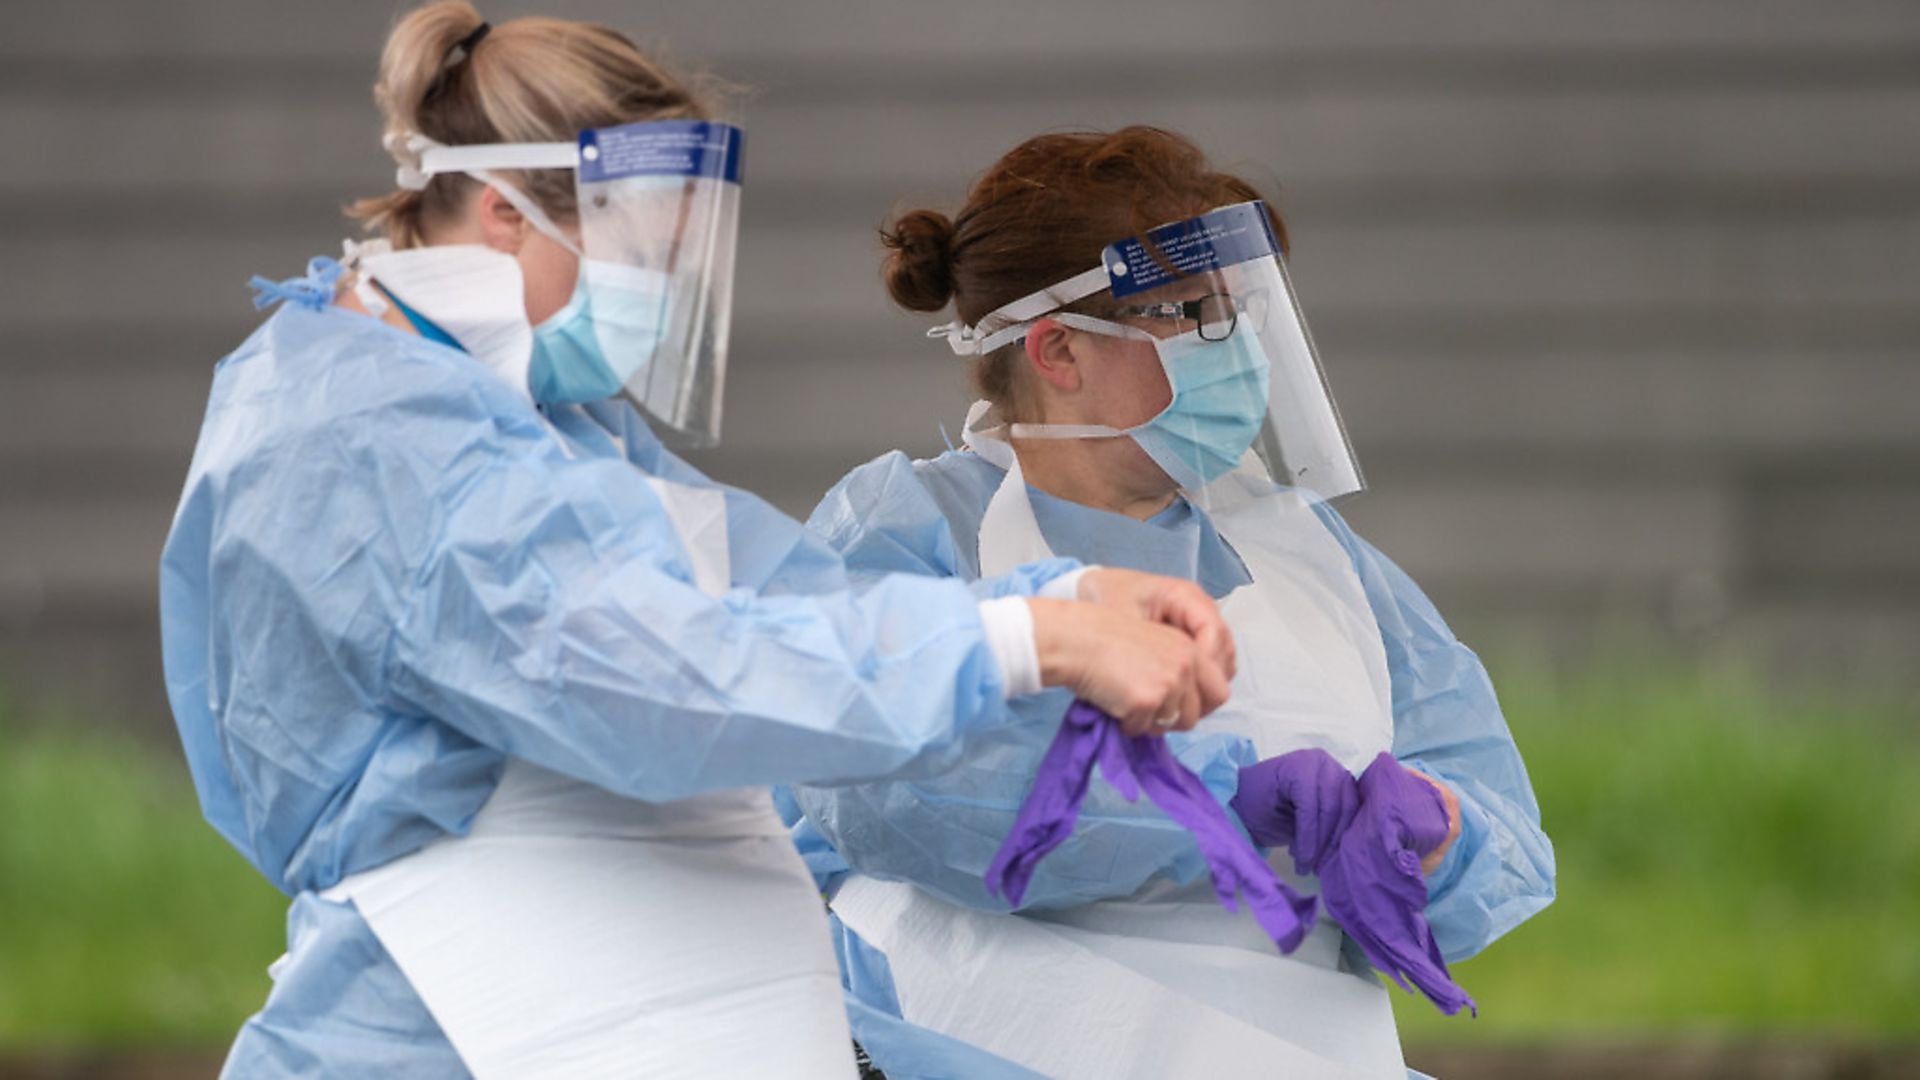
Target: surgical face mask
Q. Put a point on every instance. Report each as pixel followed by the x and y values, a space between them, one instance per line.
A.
pixel 1219 402
pixel 611 326
pixel 607 331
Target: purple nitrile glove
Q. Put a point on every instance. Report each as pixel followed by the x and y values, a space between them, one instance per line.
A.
pixel 1053 803
pixel 1302 801
pixel 1374 887
pixel 1364 839
pixel 1132 765
pixel 1235 866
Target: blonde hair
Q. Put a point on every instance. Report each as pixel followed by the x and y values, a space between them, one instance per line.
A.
pixel 527 80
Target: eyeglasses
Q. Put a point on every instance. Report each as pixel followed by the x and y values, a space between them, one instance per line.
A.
pixel 1215 314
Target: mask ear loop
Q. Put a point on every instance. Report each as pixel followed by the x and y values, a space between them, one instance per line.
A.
pixel 1091 325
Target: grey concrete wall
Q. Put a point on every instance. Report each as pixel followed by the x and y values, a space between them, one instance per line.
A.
pixel 1619 300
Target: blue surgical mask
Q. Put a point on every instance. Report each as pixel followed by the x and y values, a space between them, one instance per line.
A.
pixel 1219 402
pixel 606 333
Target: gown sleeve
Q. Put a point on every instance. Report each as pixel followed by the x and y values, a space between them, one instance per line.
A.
pixel 1448 725
pixel 542 604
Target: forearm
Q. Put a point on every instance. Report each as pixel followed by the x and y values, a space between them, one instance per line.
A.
pixel 639 683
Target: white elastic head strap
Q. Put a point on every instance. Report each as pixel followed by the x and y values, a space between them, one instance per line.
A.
pixel 422 159
pixel 1072 431
pixel 1009 322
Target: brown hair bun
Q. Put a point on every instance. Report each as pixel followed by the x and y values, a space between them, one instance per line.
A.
pixel 919 262
pixel 1040 215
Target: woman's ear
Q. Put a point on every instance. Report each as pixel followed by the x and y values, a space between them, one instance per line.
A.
pixel 1051 358
pixel 502 227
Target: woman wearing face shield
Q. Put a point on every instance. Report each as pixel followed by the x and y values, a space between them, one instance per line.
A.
pixel 491 683
pixel 1151 399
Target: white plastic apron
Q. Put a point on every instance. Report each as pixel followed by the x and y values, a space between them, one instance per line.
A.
pixel 575 933
pixel 1166 982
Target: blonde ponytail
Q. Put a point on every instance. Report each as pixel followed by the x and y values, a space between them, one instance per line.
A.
pixel 526 80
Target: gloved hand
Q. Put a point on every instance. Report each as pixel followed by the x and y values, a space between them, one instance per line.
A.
pixel 1364 839
pixel 1303 801
pixel 1373 885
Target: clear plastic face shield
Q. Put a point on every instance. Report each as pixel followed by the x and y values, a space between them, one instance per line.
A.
pixel 1231 339
pixel 659 207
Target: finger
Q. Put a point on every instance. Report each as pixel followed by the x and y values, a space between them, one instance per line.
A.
pixel 1208 637
pixel 1187 607
pixel 1171 713
pixel 1143 722
pixel 1148 708
pixel 1217 644
pixel 1190 705
pixel 1214 686
pixel 1215 640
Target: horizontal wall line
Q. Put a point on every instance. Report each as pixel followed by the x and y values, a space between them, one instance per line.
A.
pixel 1735 200
pixel 906 79
pixel 1830 329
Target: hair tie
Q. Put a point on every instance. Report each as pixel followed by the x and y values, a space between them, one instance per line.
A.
pixel 465 46
pixel 462 50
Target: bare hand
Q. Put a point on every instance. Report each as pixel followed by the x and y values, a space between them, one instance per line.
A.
pixel 1180 604
pixel 1146 675
pixel 1432 860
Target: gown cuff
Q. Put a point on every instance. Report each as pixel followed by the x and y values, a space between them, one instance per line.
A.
pixel 1009 631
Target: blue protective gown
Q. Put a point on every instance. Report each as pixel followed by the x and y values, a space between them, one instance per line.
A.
pixel 940 832
pixel 388 572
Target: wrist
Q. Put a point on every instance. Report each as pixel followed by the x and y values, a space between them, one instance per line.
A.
pixel 1088 584
pixel 1067 585
pixel 1059 650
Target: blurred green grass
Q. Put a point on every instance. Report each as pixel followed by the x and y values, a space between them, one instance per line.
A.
pixel 1734 858
pixel 124 919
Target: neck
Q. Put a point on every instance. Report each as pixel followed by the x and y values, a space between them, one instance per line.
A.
pixel 1085 471
pixel 347 299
